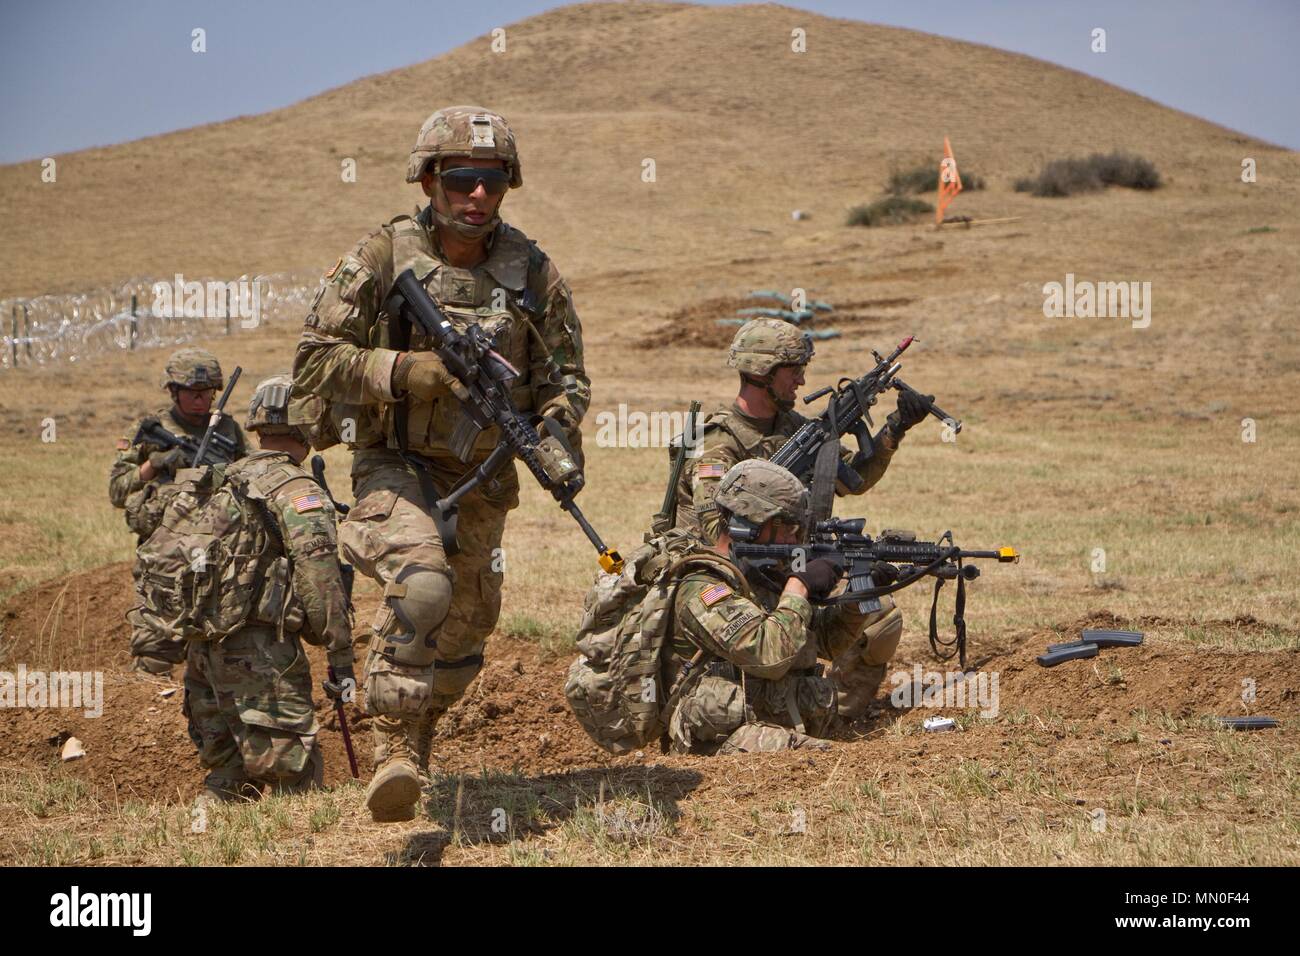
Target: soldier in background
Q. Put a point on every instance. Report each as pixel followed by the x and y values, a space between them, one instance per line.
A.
pixel 771 356
pixel 192 377
pixel 393 402
pixel 248 696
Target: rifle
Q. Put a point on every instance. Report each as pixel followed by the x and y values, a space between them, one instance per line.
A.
pixel 666 518
pixel 842 540
pixel 215 419
pixel 471 357
pixel 847 410
pixel 152 432
pixel 349 578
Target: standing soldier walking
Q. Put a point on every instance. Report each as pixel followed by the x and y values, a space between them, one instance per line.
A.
pixel 192 376
pixel 391 399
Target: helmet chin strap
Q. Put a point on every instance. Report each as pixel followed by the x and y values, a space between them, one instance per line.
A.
pixel 463 229
pixel 765 383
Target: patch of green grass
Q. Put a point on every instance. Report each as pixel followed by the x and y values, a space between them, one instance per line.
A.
pixel 923 178
pixel 1066 177
pixel 889 211
pixel 553 640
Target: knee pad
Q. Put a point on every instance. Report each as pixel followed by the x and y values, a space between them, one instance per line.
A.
pixel 418 600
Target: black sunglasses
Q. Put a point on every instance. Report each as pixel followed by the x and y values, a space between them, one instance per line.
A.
pixel 465 179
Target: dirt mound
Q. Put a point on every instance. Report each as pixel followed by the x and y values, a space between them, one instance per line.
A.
pixel 514 716
pixel 1157 678
pixel 698 325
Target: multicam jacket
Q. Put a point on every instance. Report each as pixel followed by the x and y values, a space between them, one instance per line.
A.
pixel 729 437
pixel 350 343
pixel 125 487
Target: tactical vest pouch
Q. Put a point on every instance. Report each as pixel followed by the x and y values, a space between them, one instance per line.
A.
pixel 273 594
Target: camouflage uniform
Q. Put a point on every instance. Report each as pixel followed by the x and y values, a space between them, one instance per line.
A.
pixel 438 609
pixel 765 648
pixel 730 436
pixel 248 697
pixel 763 688
pixel 190 368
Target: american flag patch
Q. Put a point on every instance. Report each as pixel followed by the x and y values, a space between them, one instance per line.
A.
pixel 714 594
pixel 710 471
pixel 309 502
pixel 123 444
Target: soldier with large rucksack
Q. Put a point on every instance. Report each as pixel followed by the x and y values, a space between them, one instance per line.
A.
pixel 243 567
pixel 684 645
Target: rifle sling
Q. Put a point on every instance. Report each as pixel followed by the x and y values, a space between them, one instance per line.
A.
pixel 825 469
pixel 958 643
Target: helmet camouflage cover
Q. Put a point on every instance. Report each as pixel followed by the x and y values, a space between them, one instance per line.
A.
pixel 758 491
pixel 268 412
pixel 470 131
pixel 192 368
pixel 763 344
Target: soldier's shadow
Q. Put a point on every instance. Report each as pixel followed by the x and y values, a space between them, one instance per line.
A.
pixel 622 804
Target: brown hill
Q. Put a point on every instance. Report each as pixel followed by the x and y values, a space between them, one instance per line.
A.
pixel 741 128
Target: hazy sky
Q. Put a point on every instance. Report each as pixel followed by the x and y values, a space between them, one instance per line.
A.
pixel 79 73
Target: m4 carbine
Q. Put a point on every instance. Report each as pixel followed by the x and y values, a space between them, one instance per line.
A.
pixel 211 449
pixel 471 357
pixel 842 541
pixel 220 449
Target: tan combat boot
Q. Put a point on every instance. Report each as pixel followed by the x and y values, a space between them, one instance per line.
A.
pixel 422 739
pixel 394 790
pixel 856 688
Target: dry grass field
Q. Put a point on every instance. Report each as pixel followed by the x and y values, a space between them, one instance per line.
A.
pixel 1080 434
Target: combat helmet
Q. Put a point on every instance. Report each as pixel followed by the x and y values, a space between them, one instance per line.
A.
pixel 470 131
pixel 757 491
pixel 761 346
pixel 192 368
pixel 268 412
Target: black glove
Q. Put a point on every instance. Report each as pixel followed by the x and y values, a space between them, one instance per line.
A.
pixel 334 689
pixel 912 408
pixel 166 462
pixel 883 574
pixel 820 576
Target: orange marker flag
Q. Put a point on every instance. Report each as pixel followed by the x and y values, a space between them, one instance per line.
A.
pixel 949 181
